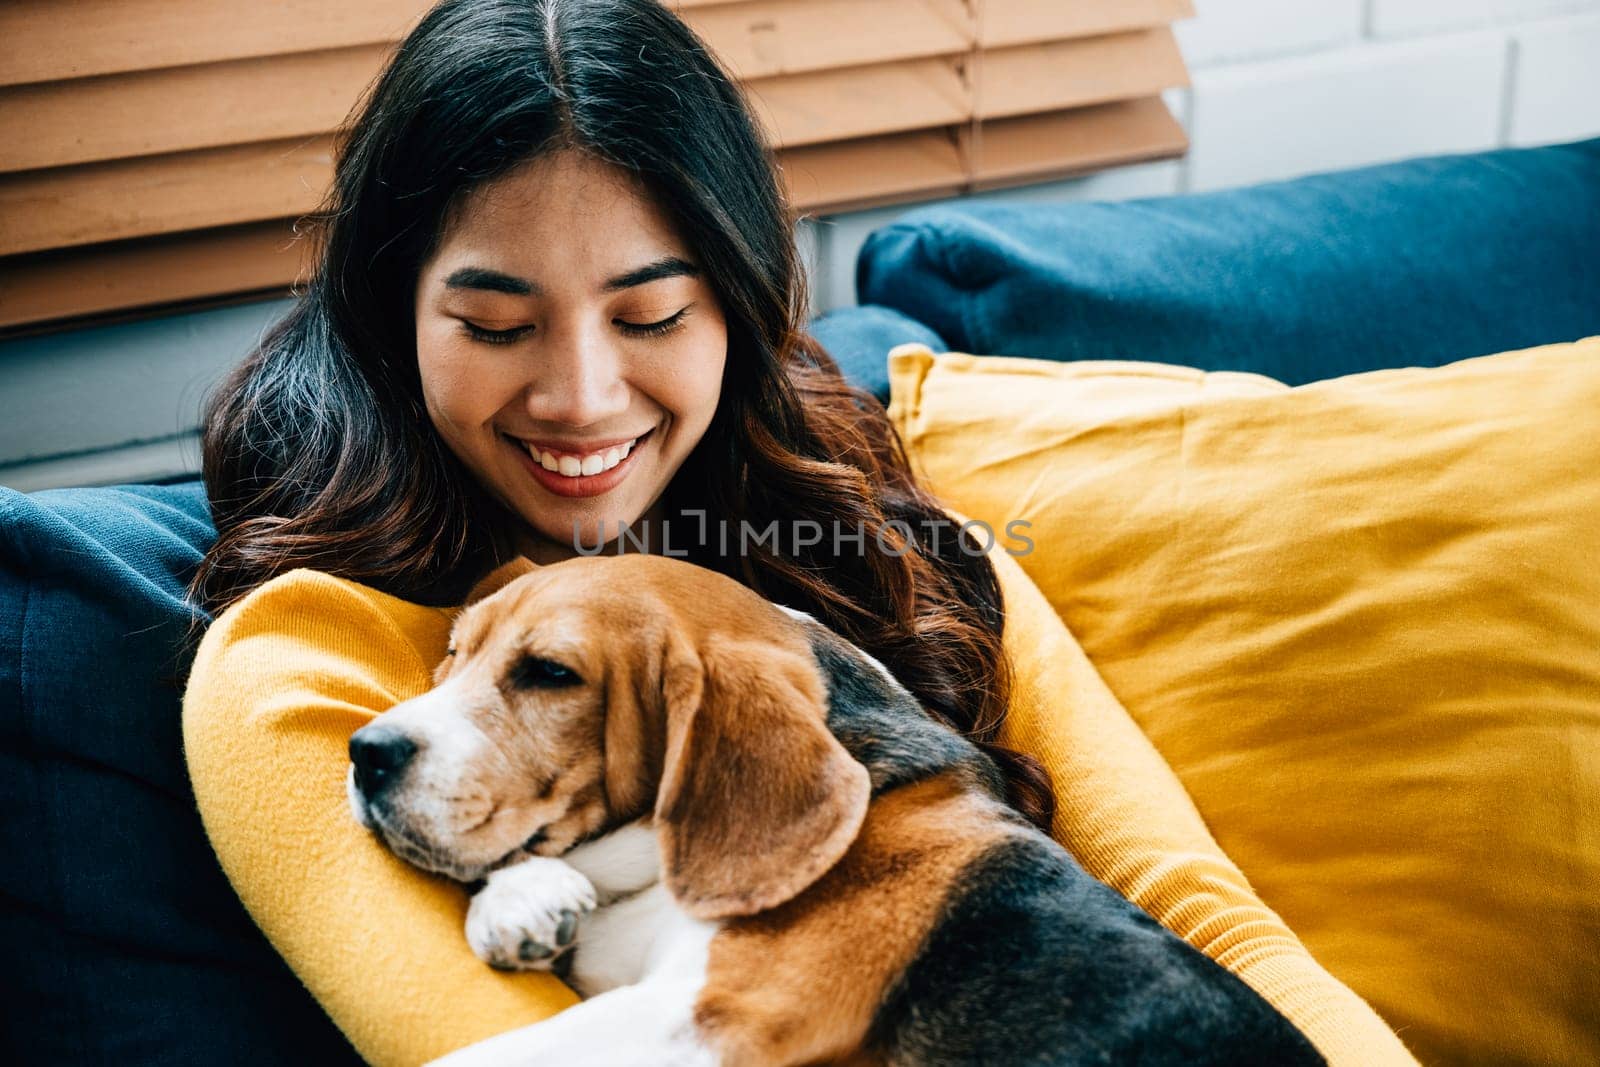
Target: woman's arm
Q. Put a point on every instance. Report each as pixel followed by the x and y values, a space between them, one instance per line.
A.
pixel 1128 819
pixel 279 683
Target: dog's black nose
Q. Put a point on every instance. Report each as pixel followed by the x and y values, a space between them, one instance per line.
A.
pixel 379 755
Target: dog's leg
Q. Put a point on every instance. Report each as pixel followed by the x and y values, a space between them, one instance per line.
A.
pixel 528 913
pixel 646 1025
pixel 620 863
pixel 621 937
pixel 627 942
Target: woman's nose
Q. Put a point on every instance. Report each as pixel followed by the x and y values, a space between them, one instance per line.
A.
pixel 580 379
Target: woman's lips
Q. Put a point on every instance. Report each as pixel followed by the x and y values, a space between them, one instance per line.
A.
pixel 582 485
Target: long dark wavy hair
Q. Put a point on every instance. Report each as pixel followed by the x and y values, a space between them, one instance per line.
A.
pixel 317 449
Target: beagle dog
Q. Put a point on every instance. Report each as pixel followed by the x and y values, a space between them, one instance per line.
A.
pixel 745 843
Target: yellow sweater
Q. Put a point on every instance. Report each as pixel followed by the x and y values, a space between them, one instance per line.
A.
pixel 284 677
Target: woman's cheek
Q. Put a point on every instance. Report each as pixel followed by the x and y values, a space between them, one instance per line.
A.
pixel 452 389
pixel 696 365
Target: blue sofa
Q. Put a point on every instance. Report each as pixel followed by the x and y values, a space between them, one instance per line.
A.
pixel 124 942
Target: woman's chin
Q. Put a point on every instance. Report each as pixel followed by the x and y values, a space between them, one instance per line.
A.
pixel 582 534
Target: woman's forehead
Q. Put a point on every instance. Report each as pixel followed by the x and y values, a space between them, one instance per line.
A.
pixel 560 213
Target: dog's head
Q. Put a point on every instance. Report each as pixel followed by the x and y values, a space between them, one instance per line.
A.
pixel 593 691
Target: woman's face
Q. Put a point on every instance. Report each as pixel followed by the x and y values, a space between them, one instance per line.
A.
pixel 562 323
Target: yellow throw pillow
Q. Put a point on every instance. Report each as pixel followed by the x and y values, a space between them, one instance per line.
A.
pixel 1361 619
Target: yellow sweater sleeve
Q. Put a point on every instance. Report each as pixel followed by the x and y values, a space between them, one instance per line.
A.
pixel 279 683
pixel 1124 814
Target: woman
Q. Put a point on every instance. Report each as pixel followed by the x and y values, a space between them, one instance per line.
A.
pixel 558 296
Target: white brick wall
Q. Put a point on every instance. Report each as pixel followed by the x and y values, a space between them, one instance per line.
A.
pixel 1556 74
pixel 1234 30
pixel 1345 107
pixel 1290 87
pixel 1391 18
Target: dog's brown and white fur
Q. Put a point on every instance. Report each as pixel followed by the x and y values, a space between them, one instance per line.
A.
pixel 741 840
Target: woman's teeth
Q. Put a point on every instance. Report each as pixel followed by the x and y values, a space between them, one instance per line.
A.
pixel 576 466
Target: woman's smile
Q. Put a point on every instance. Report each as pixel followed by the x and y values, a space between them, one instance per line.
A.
pixel 580 473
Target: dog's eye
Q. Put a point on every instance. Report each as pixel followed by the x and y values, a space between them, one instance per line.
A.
pixel 536 672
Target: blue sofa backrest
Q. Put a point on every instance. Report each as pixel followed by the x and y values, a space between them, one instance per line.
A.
pixel 1407 264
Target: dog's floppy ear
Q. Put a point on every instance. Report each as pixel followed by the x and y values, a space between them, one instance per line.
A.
pixel 758 799
pixel 500 577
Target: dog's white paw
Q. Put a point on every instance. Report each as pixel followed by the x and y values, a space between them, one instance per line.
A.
pixel 526 916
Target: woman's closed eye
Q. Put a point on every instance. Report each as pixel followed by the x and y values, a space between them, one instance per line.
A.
pixel 492 337
pixel 655 329
pixel 636 329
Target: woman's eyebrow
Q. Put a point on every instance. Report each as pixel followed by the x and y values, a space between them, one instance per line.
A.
pixel 496 282
pixel 492 280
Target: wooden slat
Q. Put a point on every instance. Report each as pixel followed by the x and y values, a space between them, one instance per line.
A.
pixel 178 268
pixel 835 105
pixel 1034 78
pixel 1009 22
pixel 764 38
pixel 162 194
pixel 991 23
pixel 113 36
pixel 1040 147
pixel 119 116
pixel 886 170
pixel 872 171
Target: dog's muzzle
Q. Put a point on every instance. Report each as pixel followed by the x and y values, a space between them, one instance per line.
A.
pixel 379 755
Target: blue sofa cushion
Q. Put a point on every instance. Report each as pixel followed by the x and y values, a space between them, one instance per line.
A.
pixel 123 940
pixel 859 339
pixel 1408 264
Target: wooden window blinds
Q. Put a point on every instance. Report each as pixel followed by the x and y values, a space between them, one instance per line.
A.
pixel 156 152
